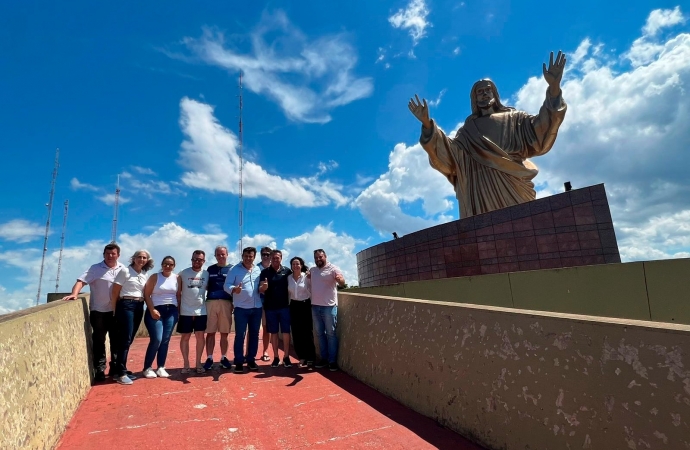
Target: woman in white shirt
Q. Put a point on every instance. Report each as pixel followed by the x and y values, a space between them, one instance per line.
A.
pixel 127 300
pixel 299 287
pixel 162 297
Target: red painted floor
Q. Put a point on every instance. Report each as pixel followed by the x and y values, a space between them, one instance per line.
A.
pixel 275 408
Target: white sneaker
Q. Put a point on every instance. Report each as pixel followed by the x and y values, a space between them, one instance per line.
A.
pixel 124 379
pixel 162 373
pixel 149 373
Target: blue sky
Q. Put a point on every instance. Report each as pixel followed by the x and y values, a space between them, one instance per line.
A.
pixel 331 153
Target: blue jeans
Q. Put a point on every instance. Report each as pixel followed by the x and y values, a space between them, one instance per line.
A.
pixel 246 317
pixel 325 321
pixel 159 334
pixel 128 314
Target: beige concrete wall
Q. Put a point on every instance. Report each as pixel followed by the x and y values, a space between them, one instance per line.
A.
pixel 650 290
pixel 516 379
pixel 44 372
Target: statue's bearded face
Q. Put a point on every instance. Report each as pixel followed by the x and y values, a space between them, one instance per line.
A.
pixel 484 95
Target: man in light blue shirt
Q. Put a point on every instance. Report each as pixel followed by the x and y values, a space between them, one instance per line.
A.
pixel 243 283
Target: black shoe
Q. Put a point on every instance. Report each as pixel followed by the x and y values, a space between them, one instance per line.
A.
pixel 320 364
pixel 275 363
pixel 239 368
pixel 100 376
pixel 252 366
pixel 225 363
pixel 333 367
pixel 310 363
pixel 208 365
pixel 286 362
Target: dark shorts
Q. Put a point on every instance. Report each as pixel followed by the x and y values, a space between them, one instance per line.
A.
pixel 278 319
pixel 189 324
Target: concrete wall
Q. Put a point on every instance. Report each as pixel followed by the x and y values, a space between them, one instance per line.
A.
pixel 516 379
pixel 44 372
pixel 650 290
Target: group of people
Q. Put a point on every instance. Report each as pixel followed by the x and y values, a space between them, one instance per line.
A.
pixel 295 301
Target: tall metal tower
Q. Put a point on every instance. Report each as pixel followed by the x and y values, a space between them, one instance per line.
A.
pixel 113 231
pixel 50 210
pixel 241 200
pixel 62 246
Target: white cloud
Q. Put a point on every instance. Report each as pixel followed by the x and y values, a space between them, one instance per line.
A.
pixel 148 188
pixel 381 55
pixel 77 185
pixel 409 179
pixel 626 127
pixel 412 18
pixel 258 241
pixel 645 49
pixel 306 78
pixel 663 18
pixel 339 247
pixel 109 199
pixel 21 231
pixel 437 102
pixel 210 155
pixel 143 170
pixel 661 237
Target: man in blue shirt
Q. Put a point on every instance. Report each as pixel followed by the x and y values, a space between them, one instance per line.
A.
pixel 218 309
pixel 243 283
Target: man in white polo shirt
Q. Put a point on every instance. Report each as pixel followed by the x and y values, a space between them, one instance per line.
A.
pixel 324 307
pixel 100 279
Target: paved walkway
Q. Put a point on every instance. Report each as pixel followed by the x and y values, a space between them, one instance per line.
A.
pixel 275 408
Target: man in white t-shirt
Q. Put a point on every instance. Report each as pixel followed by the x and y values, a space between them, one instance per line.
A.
pixel 100 279
pixel 192 285
pixel 325 278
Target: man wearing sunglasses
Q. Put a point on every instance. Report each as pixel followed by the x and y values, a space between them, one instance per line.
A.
pixel 265 336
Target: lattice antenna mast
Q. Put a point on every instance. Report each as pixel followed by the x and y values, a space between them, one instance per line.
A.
pixel 62 246
pixel 241 199
pixel 113 231
pixel 50 210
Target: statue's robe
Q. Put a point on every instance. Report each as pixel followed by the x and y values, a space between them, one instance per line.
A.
pixel 487 161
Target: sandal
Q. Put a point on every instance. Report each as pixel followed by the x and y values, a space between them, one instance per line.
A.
pixel 200 370
pixel 185 370
pixel 265 358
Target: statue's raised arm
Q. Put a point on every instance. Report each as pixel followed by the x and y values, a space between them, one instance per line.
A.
pixel 554 73
pixel 487 160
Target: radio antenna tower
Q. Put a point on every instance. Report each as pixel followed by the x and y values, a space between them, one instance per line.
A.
pixel 113 232
pixel 50 210
pixel 241 200
pixel 62 246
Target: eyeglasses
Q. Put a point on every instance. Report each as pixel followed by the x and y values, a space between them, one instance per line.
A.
pixel 168 264
pixel 264 255
pixel 198 260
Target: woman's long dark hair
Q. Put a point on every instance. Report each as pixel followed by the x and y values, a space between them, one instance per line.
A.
pixel 301 261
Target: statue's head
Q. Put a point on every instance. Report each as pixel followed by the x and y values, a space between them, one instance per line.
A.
pixel 484 95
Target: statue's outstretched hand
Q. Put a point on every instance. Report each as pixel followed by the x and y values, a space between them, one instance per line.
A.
pixel 420 110
pixel 554 73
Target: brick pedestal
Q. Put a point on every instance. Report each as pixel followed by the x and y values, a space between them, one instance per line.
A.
pixel 569 229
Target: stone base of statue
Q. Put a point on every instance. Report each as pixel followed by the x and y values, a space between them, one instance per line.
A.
pixel 569 229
